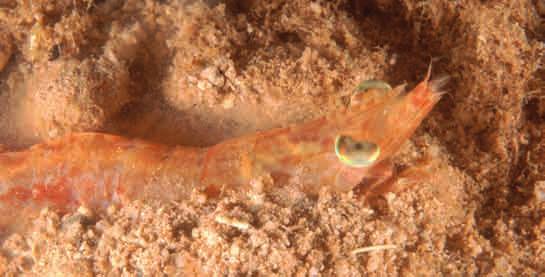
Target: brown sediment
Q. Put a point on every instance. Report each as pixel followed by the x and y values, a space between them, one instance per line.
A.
pixel 214 71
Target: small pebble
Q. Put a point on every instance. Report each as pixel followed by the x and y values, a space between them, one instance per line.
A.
pixel 213 75
pixel 85 211
pixel 233 222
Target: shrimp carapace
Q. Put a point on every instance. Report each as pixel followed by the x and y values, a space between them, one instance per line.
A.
pixel 336 152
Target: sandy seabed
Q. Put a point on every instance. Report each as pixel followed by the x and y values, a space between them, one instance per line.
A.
pixel 199 72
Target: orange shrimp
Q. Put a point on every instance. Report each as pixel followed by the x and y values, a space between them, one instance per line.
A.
pixel 337 152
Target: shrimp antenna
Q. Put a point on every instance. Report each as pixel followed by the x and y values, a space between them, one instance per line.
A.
pixel 428 74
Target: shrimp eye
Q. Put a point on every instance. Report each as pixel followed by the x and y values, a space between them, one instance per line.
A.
pixel 373 84
pixel 356 153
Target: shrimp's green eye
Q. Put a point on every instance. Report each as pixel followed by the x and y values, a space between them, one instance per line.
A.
pixel 356 153
pixel 373 84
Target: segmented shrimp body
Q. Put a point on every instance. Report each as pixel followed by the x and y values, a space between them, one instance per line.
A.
pixel 96 170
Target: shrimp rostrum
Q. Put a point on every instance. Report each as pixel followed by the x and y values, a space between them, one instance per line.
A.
pixel 337 152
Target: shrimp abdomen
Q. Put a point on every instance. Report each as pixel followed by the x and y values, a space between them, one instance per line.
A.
pixel 94 170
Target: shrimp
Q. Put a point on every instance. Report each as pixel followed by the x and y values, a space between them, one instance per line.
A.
pixel 352 146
